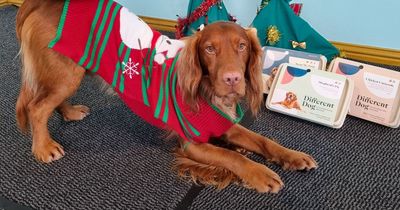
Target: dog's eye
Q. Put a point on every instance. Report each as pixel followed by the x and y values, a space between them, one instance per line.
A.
pixel 242 46
pixel 210 49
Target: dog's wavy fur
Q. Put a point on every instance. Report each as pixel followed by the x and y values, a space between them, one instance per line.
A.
pixel 220 63
pixel 204 174
pixel 208 174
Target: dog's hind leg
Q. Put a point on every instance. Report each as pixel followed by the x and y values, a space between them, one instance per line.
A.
pixel 50 96
pixel 48 78
pixel 44 148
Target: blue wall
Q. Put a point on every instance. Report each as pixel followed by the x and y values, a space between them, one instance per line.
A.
pixel 367 22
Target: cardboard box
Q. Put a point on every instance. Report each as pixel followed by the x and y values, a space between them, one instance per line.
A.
pixel 318 96
pixel 273 57
pixel 376 95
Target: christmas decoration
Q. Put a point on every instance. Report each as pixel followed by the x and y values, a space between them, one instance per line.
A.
pixel 278 26
pixel 302 45
pixel 273 35
pixel 296 7
pixel 201 12
pixel 264 3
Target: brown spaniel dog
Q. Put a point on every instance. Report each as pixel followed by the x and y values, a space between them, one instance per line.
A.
pixel 220 64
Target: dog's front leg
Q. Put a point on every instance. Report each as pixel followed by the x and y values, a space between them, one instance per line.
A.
pixel 272 151
pixel 254 175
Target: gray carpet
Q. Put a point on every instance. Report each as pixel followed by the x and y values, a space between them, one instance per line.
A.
pixel 116 161
pixel 113 159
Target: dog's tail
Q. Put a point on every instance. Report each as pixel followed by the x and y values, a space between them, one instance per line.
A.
pixel 28 88
pixel 25 97
pixel 27 85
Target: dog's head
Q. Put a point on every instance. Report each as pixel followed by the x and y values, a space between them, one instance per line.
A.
pixel 290 97
pixel 223 60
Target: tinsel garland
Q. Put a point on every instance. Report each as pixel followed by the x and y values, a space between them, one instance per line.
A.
pixel 264 3
pixel 195 15
pixel 296 7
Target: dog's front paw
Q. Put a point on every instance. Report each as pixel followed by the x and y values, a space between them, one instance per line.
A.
pixel 48 152
pixel 295 160
pixel 262 179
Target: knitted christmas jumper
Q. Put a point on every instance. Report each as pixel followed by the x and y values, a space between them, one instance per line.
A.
pixel 139 63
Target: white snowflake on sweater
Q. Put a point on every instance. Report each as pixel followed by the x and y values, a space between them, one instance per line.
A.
pixel 130 68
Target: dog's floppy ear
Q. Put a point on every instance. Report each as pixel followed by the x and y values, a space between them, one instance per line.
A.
pixel 253 73
pixel 189 71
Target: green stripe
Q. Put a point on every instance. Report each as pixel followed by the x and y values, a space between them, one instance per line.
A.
pixel 239 113
pixel 60 25
pixel 146 82
pixel 115 78
pixel 118 65
pixel 92 28
pixel 99 33
pixel 161 93
pixel 122 79
pixel 150 69
pixel 179 114
pixel 186 145
pixel 147 55
pixel 193 129
pixel 107 36
pixel 166 110
pixel 178 111
pixel 120 49
pixel 144 86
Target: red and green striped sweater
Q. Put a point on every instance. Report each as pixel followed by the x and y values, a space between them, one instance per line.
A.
pixel 138 62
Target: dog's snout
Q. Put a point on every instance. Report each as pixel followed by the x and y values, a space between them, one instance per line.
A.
pixel 232 78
